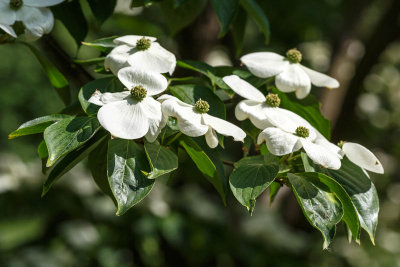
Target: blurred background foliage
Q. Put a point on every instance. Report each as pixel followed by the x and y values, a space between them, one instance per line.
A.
pixel 183 222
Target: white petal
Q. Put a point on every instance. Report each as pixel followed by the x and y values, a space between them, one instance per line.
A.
pixel 329 146
pixel 320 79
pixel 243 88
pixel 279 142
pixel 101 99
pixel 320 155
pixel 224 127
pixel 362 157
pixel 156 59
pixel 249 109
pixel 37 21
pixel 211 138
pixel 153 82
pixel 189 121
pixel 118 58
pixel 152 109
pixel 42 3
pixel 124 119
pixel 96 98
pixel 264 64
pixel 7 15
pixel 131 39
pixel 9 30
pixel 293 78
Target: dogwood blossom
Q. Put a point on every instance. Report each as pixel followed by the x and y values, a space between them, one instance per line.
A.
pixel 263 111
pixel 142 52
pixel 361 156
pixel 194 120
pixel 292 133
pixel 133 113
pixel 34 14
pixel 290 75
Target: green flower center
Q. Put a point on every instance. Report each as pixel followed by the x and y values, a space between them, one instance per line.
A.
pixel 143 44
pixel 302 132
pixel 138 92
pixel 273 100
pixel 341 143
pixel 294 55
pixel 202 106
pixel 16 4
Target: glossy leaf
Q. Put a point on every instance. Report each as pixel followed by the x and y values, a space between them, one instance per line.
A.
pixel 71 159
pixel 56 78
pixel 362 192
pixel 125 162
pixel 101 9
pixel 250 178
pixel 256 13
pixel 37 125
pixel 102 44
pixel 273 191
pixel 320 206
pixel 107 84
pixel 67 135
pixel 204 164
pixel 162 160
pixel 225 10
pixel 43 155
pixel 238 30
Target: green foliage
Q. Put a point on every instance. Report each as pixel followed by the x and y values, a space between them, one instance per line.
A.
pixel 162 160
pixel 102 44
pixel 225 10
pixel 256 13
pixel 102 10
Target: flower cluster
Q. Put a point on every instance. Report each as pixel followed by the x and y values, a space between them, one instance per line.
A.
pixel 34 15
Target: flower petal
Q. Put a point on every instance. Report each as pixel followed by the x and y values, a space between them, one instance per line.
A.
pixel 250 109
pixel 279 142
pixel 131 39
pixel 224 127
pixel 362 157
pixel 320 79
pixel 124 119
pixel 152 81
pixel 265 64
pixel 211 138
pixel 37 21
pixel 293 78
pixel 189 121
pixel 118 58
pixel 8 29
pixel 101 99
pixel 156 59
pixel 42 3
pixel 329 146
pixel 320 155
pixel 152 109
pixel 7 16
pixel 243 88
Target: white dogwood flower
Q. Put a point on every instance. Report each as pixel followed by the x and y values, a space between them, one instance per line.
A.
pixel 361 156
pixel 133 113
pixel 34 14
pixel 194 120
pixel 290 75
pixel 263 111
pixel 142 52
pixel 292 133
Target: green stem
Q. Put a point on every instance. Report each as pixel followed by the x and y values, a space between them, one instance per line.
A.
pixel 174 138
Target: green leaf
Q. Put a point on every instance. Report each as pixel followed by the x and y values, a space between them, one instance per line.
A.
pixel 71 159
pixel 107 84
pixel 350 216
pixel 139 3
pixel 37 125
pixel 238 30
pixel 90 61
pixel 306 163
pixel 309 108
pixel 43 155
pixel 56 78
pixel 190 93
pixel 251 176
pixel 71 15
pixel 97 162
pixel 256 12
pixel 204 164
pixel 103 44
pixel 64 136
pixel 273 191
pixel 319 205
pixel 225 10
pixel 162 160
pixel 179 17
pixel 125 162
pixel 102 10
pixel 362 192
